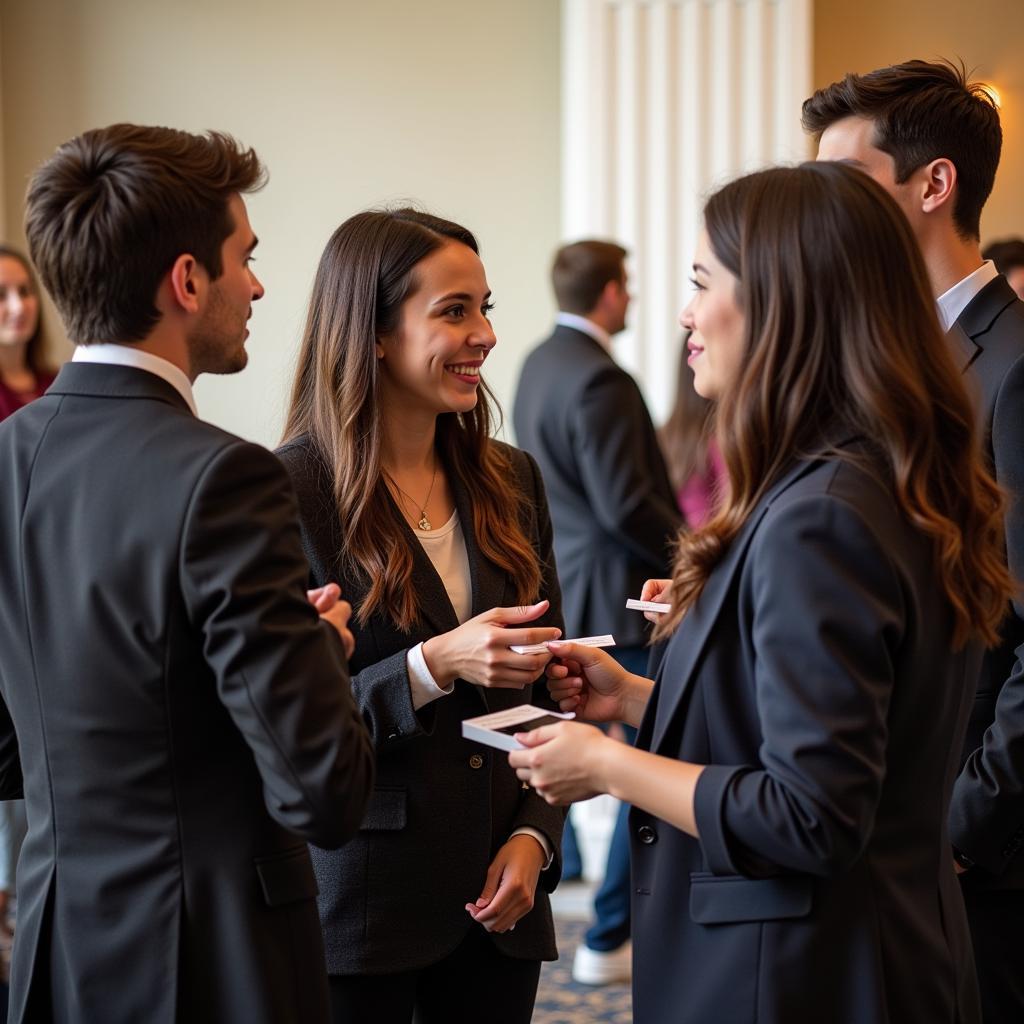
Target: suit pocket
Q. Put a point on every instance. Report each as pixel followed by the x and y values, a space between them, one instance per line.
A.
pixel 387 810
pixel 732 899
pixel 287 877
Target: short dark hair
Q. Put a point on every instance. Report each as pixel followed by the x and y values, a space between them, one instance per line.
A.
pixel 109 213
pixel 1006 253
pixel 922 112
pixel 581 270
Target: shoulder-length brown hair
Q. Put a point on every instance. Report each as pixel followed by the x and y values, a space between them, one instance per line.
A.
pixel 36 355
pixel 366 272
pixel 841 335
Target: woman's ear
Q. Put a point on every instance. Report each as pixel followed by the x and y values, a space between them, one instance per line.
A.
pixel 378 347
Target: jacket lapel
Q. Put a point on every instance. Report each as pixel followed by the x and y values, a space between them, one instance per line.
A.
pixel 695 629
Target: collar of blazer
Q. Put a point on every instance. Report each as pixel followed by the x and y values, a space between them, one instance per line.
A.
pixel 984 309
pixel 703 615
pixel 107 380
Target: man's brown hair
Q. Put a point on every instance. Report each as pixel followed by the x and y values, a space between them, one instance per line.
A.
pixel 109 213
pixel 580 272
pixel 922 112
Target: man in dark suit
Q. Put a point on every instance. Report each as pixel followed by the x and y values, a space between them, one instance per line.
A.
pixel 933 139
pixel 175 713
pixel 584 420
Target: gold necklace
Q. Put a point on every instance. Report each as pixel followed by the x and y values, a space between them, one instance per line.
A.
pixel 423 522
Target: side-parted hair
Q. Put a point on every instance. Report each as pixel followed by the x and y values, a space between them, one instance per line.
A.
pixel 36 352
pixel 109 213
pixel 922 112
pixel 841 338
pixel 366 273
pixel 580 272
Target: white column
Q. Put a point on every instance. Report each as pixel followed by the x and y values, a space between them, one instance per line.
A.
pixel 662 100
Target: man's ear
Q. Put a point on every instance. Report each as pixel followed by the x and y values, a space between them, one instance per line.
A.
pixel 939 181
pixel 187 282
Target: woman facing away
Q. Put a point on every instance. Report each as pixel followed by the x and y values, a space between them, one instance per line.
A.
pixel 442 541
pixel 796 754
pixel 24 372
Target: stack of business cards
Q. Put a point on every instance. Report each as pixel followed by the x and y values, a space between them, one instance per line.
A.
pixel 586 641
pixel 498 729
pixel 648 606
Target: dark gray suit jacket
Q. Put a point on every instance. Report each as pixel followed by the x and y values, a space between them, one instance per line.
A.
pixel 583 419
pixel 812 677
pixel 987 814
pixel 180 715
pixel 394 898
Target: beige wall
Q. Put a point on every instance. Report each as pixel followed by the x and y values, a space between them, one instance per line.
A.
pixel 351 103
pixel 988 35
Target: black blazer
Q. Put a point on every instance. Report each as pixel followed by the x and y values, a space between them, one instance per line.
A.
pixel 812 677
pixel 987 814
pixel 584 420
pixel 181 715
pixel 394 898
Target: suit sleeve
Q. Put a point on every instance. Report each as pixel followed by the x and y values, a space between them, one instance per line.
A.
pixel 987 810
pixel 827 613
pixel 611 438
pixel 533 811
pixel 280 671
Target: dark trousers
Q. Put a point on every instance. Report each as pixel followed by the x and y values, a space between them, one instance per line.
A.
pixel 997 933
pixel 472 984
pixel 611 924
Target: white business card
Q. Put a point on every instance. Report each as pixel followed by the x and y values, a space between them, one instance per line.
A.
pixel 587 641
pixel 648 606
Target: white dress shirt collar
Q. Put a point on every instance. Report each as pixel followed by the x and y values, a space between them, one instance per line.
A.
pixel 953 302
pixel 581 323
pixel 126 355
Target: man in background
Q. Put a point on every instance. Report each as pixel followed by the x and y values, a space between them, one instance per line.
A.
pixel 174 710
pixel 932 140
pixel 584 420
pixel 1008 256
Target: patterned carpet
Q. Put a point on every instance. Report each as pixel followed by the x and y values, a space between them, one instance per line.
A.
pixel 560 1000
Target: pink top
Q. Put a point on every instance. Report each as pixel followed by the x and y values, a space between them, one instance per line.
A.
pixel 12 401
pixel 699 497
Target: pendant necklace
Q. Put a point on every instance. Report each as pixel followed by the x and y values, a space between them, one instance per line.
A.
pixel 423 522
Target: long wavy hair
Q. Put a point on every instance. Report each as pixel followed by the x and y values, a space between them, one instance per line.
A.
pixel 36 356
pixel 367 271
pixel 841 336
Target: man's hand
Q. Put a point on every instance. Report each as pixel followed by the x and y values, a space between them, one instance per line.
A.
pixel 327 601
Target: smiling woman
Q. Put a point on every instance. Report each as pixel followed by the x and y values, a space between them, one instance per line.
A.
pixel 440 538
pixel 24 374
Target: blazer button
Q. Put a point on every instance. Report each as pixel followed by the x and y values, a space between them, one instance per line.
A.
pixel 476 761
pixel 647 835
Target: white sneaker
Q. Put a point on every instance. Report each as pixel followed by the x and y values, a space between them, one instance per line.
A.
pixel 592 967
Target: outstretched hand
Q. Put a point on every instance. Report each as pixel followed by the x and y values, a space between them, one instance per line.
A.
pixel 327 601
pixel 479 650
pixel 562 762
pixel 587 680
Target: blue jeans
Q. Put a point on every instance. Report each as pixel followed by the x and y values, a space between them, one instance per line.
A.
pixel 611 925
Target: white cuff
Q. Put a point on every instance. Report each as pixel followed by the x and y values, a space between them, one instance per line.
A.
pixel 422 684
pixel 542 839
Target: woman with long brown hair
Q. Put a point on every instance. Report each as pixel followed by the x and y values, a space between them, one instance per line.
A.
pixel 441 539
pixel 24 371
pixel 792 775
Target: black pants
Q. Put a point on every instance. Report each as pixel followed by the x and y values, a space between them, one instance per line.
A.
pixel 473 983
pixel 997 933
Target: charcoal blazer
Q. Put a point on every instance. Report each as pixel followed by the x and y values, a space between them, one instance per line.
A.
pixel 174 711
pixel 583 418
pixel 987 813
pixel 394 898
pixel 811 678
